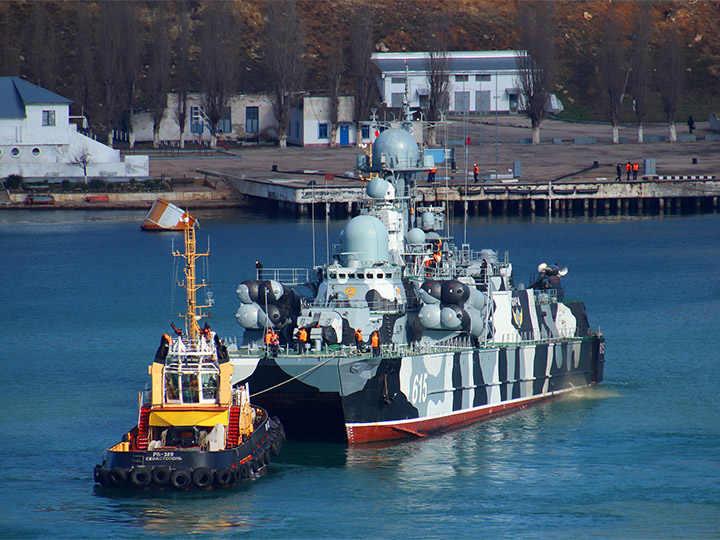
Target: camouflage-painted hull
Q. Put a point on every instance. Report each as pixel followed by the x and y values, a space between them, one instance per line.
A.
pixel 363 399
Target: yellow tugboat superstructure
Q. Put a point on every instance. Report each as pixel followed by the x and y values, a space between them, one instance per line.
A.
pixel 194 430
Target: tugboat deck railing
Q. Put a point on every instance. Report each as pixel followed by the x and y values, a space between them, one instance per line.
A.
pixel 288 276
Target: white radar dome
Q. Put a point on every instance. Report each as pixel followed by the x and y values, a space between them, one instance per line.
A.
pixel 364 239
pixel 396 149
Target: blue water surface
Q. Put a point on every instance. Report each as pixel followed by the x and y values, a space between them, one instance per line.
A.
pixel 87 296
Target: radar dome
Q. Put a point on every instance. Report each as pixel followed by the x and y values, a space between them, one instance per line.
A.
pixel 365 239
pixel 395 148
pixel 379 188
pixel 416 236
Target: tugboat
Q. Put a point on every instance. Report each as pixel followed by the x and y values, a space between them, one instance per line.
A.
pixel 406 334
pixel 194 430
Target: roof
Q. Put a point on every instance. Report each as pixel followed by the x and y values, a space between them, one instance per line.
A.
pixel 16 93
pixel 458 62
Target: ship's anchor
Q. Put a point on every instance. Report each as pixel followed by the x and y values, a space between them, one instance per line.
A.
pixel 386 399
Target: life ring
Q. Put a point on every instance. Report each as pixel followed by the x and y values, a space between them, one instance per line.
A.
pixel 117 476
pixel 236 474
pixel 223 477
pixel 140 476
pixel 202 477
pixel 161 475
pixel 181 479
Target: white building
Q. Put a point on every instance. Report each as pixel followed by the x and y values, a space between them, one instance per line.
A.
pixel 480 82
pixel 310 123
pixel 246 116
pixel 37 139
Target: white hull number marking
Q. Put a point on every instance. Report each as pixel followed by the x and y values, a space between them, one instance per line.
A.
pixel 419 389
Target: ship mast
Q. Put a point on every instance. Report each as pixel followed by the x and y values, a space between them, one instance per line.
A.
pixel 194 312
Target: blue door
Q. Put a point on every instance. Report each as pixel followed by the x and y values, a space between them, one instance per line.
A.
pixel 344 135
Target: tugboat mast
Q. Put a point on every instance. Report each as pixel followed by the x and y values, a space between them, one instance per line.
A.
pixel 194 312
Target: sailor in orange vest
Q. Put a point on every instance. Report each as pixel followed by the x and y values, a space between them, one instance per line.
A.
pixel 636 168
pixel 375 342
pixel 271 342
pixel 476 171
pixel 628 169
pixel 358 340
pixel 431 174
pixel 302 339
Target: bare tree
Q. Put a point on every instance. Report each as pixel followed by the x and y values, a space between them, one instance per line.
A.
pixel 640 74
pixel 109 39
pixel 363 70
pixel 670 78
pixel 131 50
pixel 44 47
pixel 182 71
pixel 85 80
pixel 612 67
pixel 158 69
pixel 285 49
pixel 335 69
pixel 9 49
pixel 436 66
pixel 82 159
pixel 537 66
pixel 217 63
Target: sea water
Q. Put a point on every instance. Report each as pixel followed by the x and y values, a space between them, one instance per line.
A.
pixel 87 296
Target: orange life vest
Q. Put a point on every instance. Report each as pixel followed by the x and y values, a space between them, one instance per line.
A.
pixel 358 335
pixel 628 167
pixel 302 334
pixel 375 339
pixel 636 166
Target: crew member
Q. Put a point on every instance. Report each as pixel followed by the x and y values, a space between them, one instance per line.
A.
pixel 628 169
pixel 302 339
pixel 619 173
pixel 259 267
pixel 375 342
pixel 272 341
pixel 636 168
pixel 358 340
pixel 476 171
pixel 431 174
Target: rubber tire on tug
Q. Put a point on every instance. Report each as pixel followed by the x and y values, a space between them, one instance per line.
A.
pixel 236 474
pixel 202 477
pixel 140 477
pixel 246 471
pixel 161 475
pixel 181 479
pixel 223 477
pixel 117 476
pixel 100 474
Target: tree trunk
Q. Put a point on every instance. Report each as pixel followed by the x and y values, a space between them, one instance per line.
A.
pixel 131 137
pixel 182 140
pixel 358 135
pixel 110 138
pixel 536 134
pixel 333 135
pixel 156 138
pixel 672 134
pixel 430 137
pixel 282 140
pixel 615 134
pixel 213 141
pixel 640 137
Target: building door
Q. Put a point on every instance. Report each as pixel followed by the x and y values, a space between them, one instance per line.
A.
pixel 344 135
pixel 462 102
pixel 482 102
pixel 513 99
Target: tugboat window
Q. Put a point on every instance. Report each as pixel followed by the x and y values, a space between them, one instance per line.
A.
pixel 209 386
pixel 190 388
pixel 171 387
pixel 361 276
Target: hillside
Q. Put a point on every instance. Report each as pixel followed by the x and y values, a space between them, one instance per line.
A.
pixel 55 44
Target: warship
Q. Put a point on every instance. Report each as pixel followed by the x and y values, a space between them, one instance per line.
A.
pixel 406 334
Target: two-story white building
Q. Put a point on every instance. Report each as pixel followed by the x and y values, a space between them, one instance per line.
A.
pixel 480 82
pixel 37 139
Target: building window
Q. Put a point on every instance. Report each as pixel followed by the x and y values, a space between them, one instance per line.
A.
pixel 48 118
pixel 365 131
pixel 322 131
pixel 397 80
pixel 15 152
pixel 225 123
pixel 196 120
pixel 484 77
pixel 461 78
pixel 396 99
pixel 35 151
pixel 423 101
pixel 252 119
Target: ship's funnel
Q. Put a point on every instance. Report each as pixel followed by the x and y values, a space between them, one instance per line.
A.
pixel 364 239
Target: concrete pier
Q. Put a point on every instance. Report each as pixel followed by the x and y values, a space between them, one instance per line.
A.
pixel 294 193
